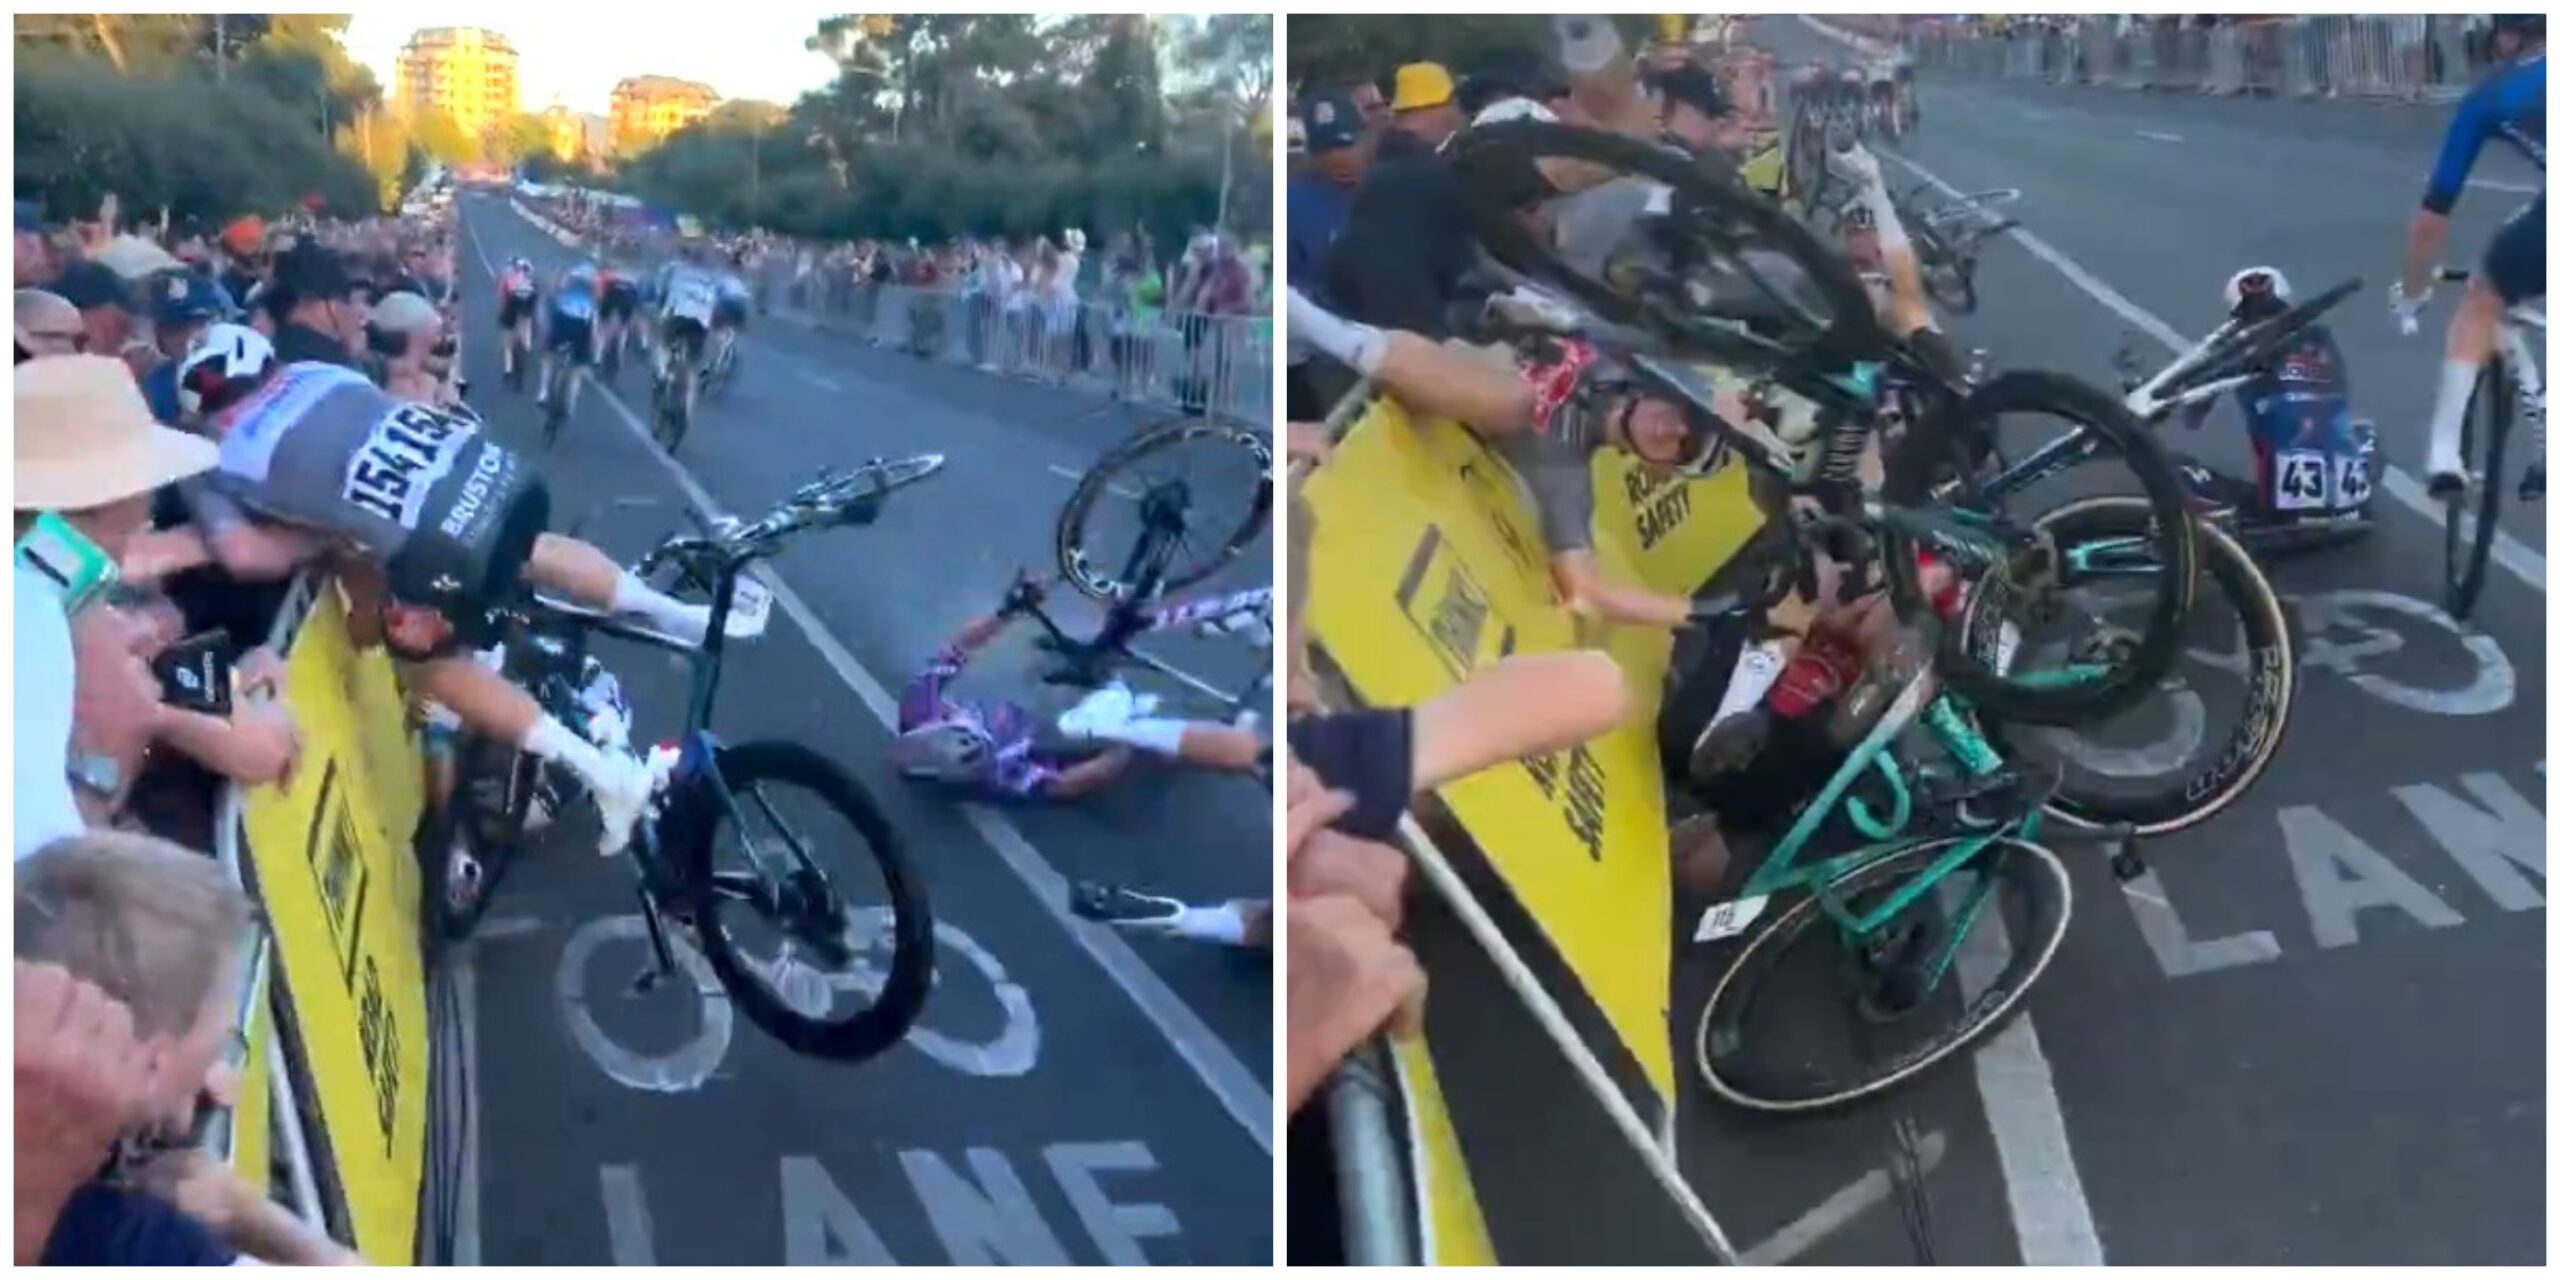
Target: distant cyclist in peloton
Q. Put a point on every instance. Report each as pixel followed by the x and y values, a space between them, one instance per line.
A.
pixel 2313 460
pixel 617 301
pixel 518 291
pixel 687 298
pixel 569 331
pixel 1006 750
pixel 2506 106
pixel 730 301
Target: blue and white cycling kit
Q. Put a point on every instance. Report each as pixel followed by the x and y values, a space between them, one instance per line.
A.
pixel 2507 107
pixel 2312 457
pixel 573 315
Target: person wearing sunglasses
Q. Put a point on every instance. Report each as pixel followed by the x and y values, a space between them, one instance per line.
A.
pixel 47 325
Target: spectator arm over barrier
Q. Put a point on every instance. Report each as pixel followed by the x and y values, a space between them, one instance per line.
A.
pixel 1426 566
pixel 336 1092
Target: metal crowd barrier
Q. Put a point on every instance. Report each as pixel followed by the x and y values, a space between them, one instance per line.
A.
pixel 2394 57
pixel 1217 366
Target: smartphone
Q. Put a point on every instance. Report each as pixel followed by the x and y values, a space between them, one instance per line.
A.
pixel 195 673
pixel 81 568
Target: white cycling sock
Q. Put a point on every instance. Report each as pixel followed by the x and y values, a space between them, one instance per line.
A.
pixel 1754 674
pixel 2444 430
pixel 556 742
pixel 1221 923
pixel 632 597
pixel 1353 343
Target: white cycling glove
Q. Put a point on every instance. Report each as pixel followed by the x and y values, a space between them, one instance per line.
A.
pixel 2405 308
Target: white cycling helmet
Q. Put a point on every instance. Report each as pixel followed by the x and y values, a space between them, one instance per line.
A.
pixel 225 363
pixel 944 751
pixel 1514 109
pixel 2256 283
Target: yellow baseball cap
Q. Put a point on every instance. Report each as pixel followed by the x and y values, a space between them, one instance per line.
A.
pixel 1422 84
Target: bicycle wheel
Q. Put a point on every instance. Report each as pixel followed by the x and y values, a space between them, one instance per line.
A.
pixel 788 998
pixel 1128 473
pixel 2164 771
pixel 2471 517
pixel 470 842
pixel 2025 587
pixel 1899 975
pixel 1774 295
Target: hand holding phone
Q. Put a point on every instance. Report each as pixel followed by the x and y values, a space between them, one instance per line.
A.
pixel 195 673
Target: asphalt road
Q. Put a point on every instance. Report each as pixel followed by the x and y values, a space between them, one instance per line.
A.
pixel 1070 1097
pixel 2315 1033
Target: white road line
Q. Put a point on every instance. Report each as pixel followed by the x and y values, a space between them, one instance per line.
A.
pixel 1228 1079
pixel 466 1209
pixel 626 1217
pixel 1825 1219
pixel 2519 559
pixel 2157 137
pixel 822 380
pixel 2516 188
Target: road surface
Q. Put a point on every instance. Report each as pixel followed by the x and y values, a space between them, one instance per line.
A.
pixel 1070 1096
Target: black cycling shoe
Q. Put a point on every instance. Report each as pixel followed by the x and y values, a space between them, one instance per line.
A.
pixel 1731 744
pixel 2446 484
pixel 1123 908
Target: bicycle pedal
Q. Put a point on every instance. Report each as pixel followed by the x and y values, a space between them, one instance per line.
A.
pixel 2127 863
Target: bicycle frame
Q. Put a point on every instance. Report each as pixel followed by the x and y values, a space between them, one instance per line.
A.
pixel 1941 713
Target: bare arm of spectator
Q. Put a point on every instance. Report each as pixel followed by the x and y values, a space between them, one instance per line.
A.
pixel 256 746
pixel 82 1078
pixel 214 1195
pixel 249 550
pixel 1525 705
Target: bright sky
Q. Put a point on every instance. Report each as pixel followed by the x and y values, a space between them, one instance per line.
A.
pixel 574 53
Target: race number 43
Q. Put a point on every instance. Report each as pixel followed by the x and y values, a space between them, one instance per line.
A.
pixel 2310 480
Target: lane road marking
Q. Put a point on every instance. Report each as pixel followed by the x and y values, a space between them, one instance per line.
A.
pixel 1228 1079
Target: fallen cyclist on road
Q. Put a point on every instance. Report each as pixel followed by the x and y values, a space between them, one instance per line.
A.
pixel 431 525
pixel 1006 750
pixel 2313 460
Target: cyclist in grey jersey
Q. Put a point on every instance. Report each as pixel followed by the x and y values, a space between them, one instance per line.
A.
pixel 445 524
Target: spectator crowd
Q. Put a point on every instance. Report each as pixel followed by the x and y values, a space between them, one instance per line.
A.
pixel 1057 309
pixel 132 939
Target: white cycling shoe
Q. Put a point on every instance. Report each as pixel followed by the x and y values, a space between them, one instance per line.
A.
pixel 621 795
pixel 1106 712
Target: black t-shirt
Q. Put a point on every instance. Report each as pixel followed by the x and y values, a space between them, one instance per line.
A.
pixel 1367 753
pixel 108 1226
pixel 1404 249
pixel 296 343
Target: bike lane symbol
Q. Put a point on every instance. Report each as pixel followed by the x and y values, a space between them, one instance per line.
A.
pixel 1012 1050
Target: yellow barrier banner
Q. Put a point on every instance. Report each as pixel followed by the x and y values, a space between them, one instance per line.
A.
pixel 1453 1231
pixel 340 888
pixel 1427 565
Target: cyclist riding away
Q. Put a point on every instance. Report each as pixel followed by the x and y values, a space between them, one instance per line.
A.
pixel 518 291
pixel 688 299
pixel 444 524
pixel 2312 460
pixel 2507 106
pixel 1005 750
pixel 569 331
pixel 618 300
pixel 730 301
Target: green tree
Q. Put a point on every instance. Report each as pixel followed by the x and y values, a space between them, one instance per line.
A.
pixel 444 138
pixel 1333 49
pixel 512 140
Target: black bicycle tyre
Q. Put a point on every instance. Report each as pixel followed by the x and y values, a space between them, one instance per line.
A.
pixel 1848 330
pixel 2156 648
pixel 2191 796
pixel 2466 565
pixel 876 1029
pixel 1079 569
pixel 555 410
pixel 2028 960
pixel 462 817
